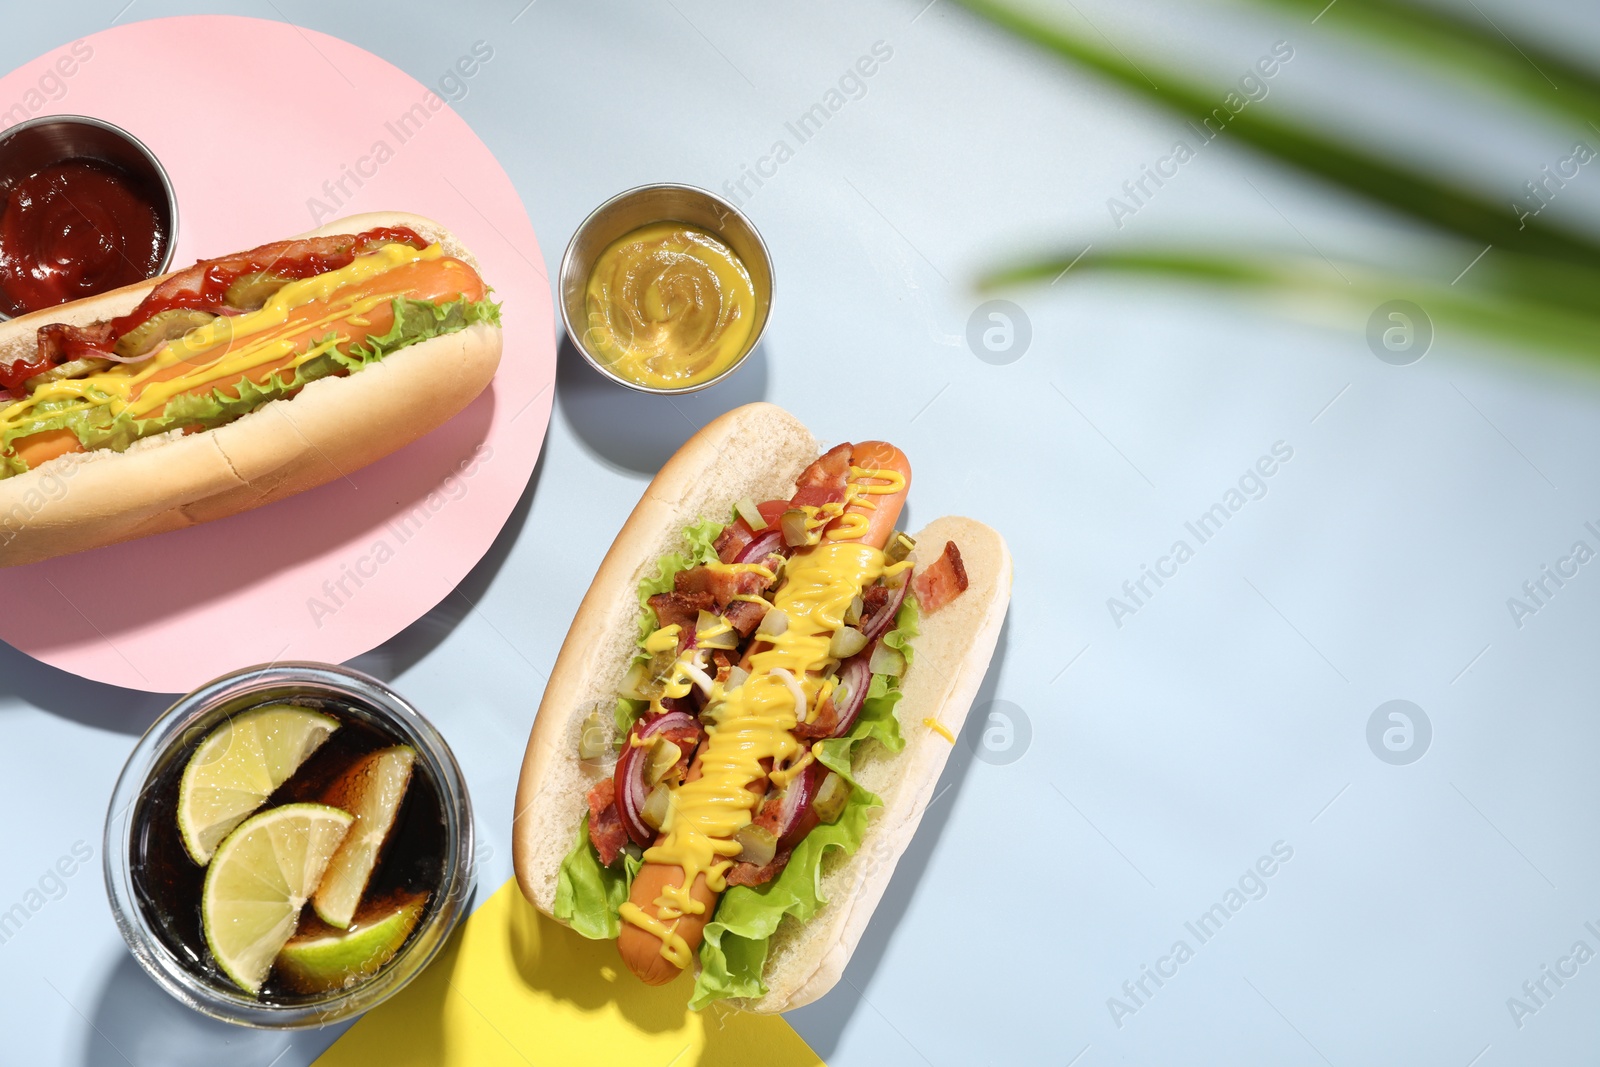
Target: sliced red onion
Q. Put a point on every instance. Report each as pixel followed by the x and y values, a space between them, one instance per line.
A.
pixel 854 673
pixel 796 818
pixel 630 775
pixel 6 397
pixel 765 545
pixel 884 619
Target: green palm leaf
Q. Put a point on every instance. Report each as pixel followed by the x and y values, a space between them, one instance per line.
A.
pixel 1446 206
pixel 1541 287
pixel 1474 47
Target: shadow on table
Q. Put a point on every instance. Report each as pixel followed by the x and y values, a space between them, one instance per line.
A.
pixel 638 432
pixel 513 977
pixel 135 1021
pixel 822 1023
pixel 104 707
pixel 402 651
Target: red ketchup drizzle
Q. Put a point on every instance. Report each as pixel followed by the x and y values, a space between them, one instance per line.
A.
pixel 219 275
pixel 215 277
pixel 73 230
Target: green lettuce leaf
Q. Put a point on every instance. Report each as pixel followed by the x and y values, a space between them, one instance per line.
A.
pixel 736 942
pixel 587 894
pixel 627 713
pixel 700 538
pixel 734 954
pixel 419 320
pixel 96 428
pixel 905 628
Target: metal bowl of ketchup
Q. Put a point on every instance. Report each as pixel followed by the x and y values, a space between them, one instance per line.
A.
pixel 84 208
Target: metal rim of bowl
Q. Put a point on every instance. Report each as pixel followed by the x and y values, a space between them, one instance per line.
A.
pixel 178 726
pixel 165 180
pixel 568 263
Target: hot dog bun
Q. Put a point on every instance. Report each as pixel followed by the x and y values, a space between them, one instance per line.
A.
pixel 332 427
pixel 756 451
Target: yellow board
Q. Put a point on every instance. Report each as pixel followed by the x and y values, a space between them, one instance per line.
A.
pixel 513 987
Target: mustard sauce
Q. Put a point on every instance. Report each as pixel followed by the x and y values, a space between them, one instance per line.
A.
pixel 753 724
pixel 223 350
pixel 669 305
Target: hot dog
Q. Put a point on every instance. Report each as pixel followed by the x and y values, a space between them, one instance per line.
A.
pixel 752 685
pixel 152 382
pixel 661 932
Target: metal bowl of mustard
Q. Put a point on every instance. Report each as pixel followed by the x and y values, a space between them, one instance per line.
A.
pixel 666 289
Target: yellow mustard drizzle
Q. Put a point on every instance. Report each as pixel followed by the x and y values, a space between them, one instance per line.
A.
pixel 673 946
pixel 827 691
pixel 864 483
pixel 716 566
pixel 851 527
pixel 755 723
pixel 782 776
pixel 663 640
pixel 678 684
pixel 894 481
pixel 940 728
pixel 215 350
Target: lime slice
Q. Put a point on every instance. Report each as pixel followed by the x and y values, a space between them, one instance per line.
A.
pixel 259 880
pixel 371 789
pixel 237 767
pixel 320 958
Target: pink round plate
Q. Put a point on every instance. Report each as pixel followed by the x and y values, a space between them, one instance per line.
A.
pixel 268 130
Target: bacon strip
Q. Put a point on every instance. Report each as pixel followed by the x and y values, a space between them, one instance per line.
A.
pixel 941 581
pixel 606 833
pixel 680 608
pixel 200 287
pixel 733 539
pixel 59 343
pixel 721 585
pixel 304 258
pixel 830 471
pixel 744 616
pixel 822 724
pixel 744 873
pixel 751 875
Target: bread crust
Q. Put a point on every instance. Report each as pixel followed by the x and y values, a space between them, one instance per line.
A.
pixel 756 451
pixel 332 427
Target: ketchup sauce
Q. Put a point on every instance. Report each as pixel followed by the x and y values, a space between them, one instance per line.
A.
pixel 72 230
pixel 217 275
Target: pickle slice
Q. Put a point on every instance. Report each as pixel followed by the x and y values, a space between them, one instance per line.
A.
pixel 77 368
pixel 160 328
pixel 250 292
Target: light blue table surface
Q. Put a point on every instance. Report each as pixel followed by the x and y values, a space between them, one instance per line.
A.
pixel 1169 749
